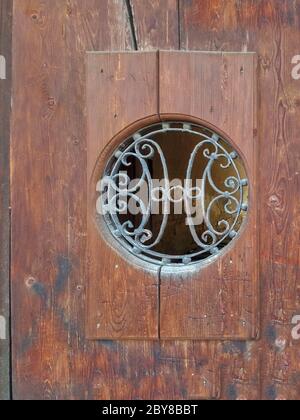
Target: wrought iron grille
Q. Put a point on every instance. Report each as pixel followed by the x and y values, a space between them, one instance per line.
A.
pixel 216 188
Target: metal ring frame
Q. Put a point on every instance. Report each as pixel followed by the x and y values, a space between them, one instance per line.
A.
pixel 142 148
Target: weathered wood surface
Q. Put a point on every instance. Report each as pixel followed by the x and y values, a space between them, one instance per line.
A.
pixel 122 298
pixel 51 354
pixel 5 100
pixel 271 28
pixel 220 299
pixel 124 301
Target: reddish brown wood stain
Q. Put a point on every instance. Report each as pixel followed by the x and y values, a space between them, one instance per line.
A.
pixel 218 301
pixel 51 354
pixel 271 28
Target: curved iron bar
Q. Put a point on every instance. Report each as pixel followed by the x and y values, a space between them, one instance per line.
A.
pixel 143 148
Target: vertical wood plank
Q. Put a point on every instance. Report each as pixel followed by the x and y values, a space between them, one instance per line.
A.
pixel 123 298
pixel 218 300
pixel 5 102
pixel 52 359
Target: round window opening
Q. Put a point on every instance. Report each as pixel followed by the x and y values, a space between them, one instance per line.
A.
pixel 174 193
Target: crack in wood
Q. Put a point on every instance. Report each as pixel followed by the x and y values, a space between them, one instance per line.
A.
pixel 132 24
pixel 179 24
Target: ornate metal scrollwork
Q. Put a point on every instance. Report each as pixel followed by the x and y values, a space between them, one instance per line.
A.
pixel 128 183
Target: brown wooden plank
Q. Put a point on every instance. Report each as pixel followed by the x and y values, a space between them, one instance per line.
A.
pixel 156 24
pixel 280 262
pixel 123 298
pixel 271 28
pixel 49 191
pixel 241 367
pixel 220 299
pixel 5 102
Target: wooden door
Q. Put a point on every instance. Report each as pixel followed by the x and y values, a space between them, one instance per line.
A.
pixel 56 353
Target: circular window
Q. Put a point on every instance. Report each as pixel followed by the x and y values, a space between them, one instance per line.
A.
pixel 174 193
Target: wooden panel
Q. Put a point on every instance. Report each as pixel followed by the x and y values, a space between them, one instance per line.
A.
pixel 49 171
pixel 156 24
pixel 272 29
pixel 220 299
pixel 5 101
pixel 123 299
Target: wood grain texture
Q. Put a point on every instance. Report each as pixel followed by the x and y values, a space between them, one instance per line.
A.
pixel 52 358
pixel 51 354
pixel 220 299
pixel 156 24
pixel 271 28
pixel 5 101
pixel 123 298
